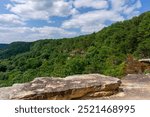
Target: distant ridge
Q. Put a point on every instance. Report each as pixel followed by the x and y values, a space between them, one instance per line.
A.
pixel 3 46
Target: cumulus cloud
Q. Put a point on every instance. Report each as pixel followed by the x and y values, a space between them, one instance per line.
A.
pixel 132 10
pixel 92 21
pixel 10 19
pixel 126 7
pixel 95 20
pixel 96 4
pixel 41 9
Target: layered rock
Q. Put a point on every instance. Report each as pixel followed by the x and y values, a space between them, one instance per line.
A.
pixel 72 87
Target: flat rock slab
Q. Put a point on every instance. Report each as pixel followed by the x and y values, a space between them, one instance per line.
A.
pixel 72 87
pixel 134 87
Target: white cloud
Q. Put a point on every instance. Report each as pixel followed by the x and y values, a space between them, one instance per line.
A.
pixel 131 11
pixel 97 4
pixel 92 21
pixel 41 9
pixel 92 28
pixel 118 5
pixel 127 7
pixel 10 19
pixel 97 19
pixel 11 34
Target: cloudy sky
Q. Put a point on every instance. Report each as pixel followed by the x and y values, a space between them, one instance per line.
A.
pixel 29 20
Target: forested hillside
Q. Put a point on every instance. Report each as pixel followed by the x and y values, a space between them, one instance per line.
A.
pixel 3 46
pixel 14 49
pixel 103 52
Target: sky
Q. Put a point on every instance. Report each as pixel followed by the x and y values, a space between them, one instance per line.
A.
pixel 30 20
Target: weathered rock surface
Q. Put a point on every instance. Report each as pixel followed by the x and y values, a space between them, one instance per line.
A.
pixel 134 87
pixel 72 87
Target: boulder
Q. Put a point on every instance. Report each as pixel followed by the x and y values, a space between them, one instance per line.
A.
pixel 73 87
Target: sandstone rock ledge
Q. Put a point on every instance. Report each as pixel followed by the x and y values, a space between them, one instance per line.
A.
pixel 133 87
pixel 72 87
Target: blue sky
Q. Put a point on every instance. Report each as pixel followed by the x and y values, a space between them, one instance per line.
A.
pixel 30 20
